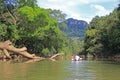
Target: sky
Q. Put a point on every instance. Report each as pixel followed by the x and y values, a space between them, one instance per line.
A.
pixel 81 9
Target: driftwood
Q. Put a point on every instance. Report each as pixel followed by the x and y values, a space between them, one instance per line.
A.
pixel 54 56
pixel 7 54
pixel 6 47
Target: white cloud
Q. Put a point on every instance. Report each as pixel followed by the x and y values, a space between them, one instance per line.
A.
pixel 101 11
pixel 72 14
pixel 95 1
pixel 69 7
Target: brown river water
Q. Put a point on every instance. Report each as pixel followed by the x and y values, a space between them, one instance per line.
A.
pixel 60 70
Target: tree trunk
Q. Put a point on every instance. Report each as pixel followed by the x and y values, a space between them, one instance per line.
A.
pixel 54 56
pixel 7 46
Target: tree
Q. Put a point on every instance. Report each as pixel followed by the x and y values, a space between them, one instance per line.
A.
pixel 59 16
pixel 44 29
pixel 103 35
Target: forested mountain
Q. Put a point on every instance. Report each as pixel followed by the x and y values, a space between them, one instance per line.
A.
pixel 75 28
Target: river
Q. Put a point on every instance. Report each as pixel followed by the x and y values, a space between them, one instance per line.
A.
pixel 60 70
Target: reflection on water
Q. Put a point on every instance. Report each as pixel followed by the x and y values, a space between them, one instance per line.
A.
pixel 60 70
pixel 80 71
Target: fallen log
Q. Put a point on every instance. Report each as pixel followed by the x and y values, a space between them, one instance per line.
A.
pixel 7 54
pixel 7 46
pixel 54 56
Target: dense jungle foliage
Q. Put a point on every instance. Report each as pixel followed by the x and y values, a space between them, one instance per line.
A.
pixel 39 29
pixel 103 35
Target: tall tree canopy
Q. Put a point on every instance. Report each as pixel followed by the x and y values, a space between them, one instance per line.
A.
pixel 103 35
pixel 26 24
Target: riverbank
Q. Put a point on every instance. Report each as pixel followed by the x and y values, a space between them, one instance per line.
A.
pixel 108 58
